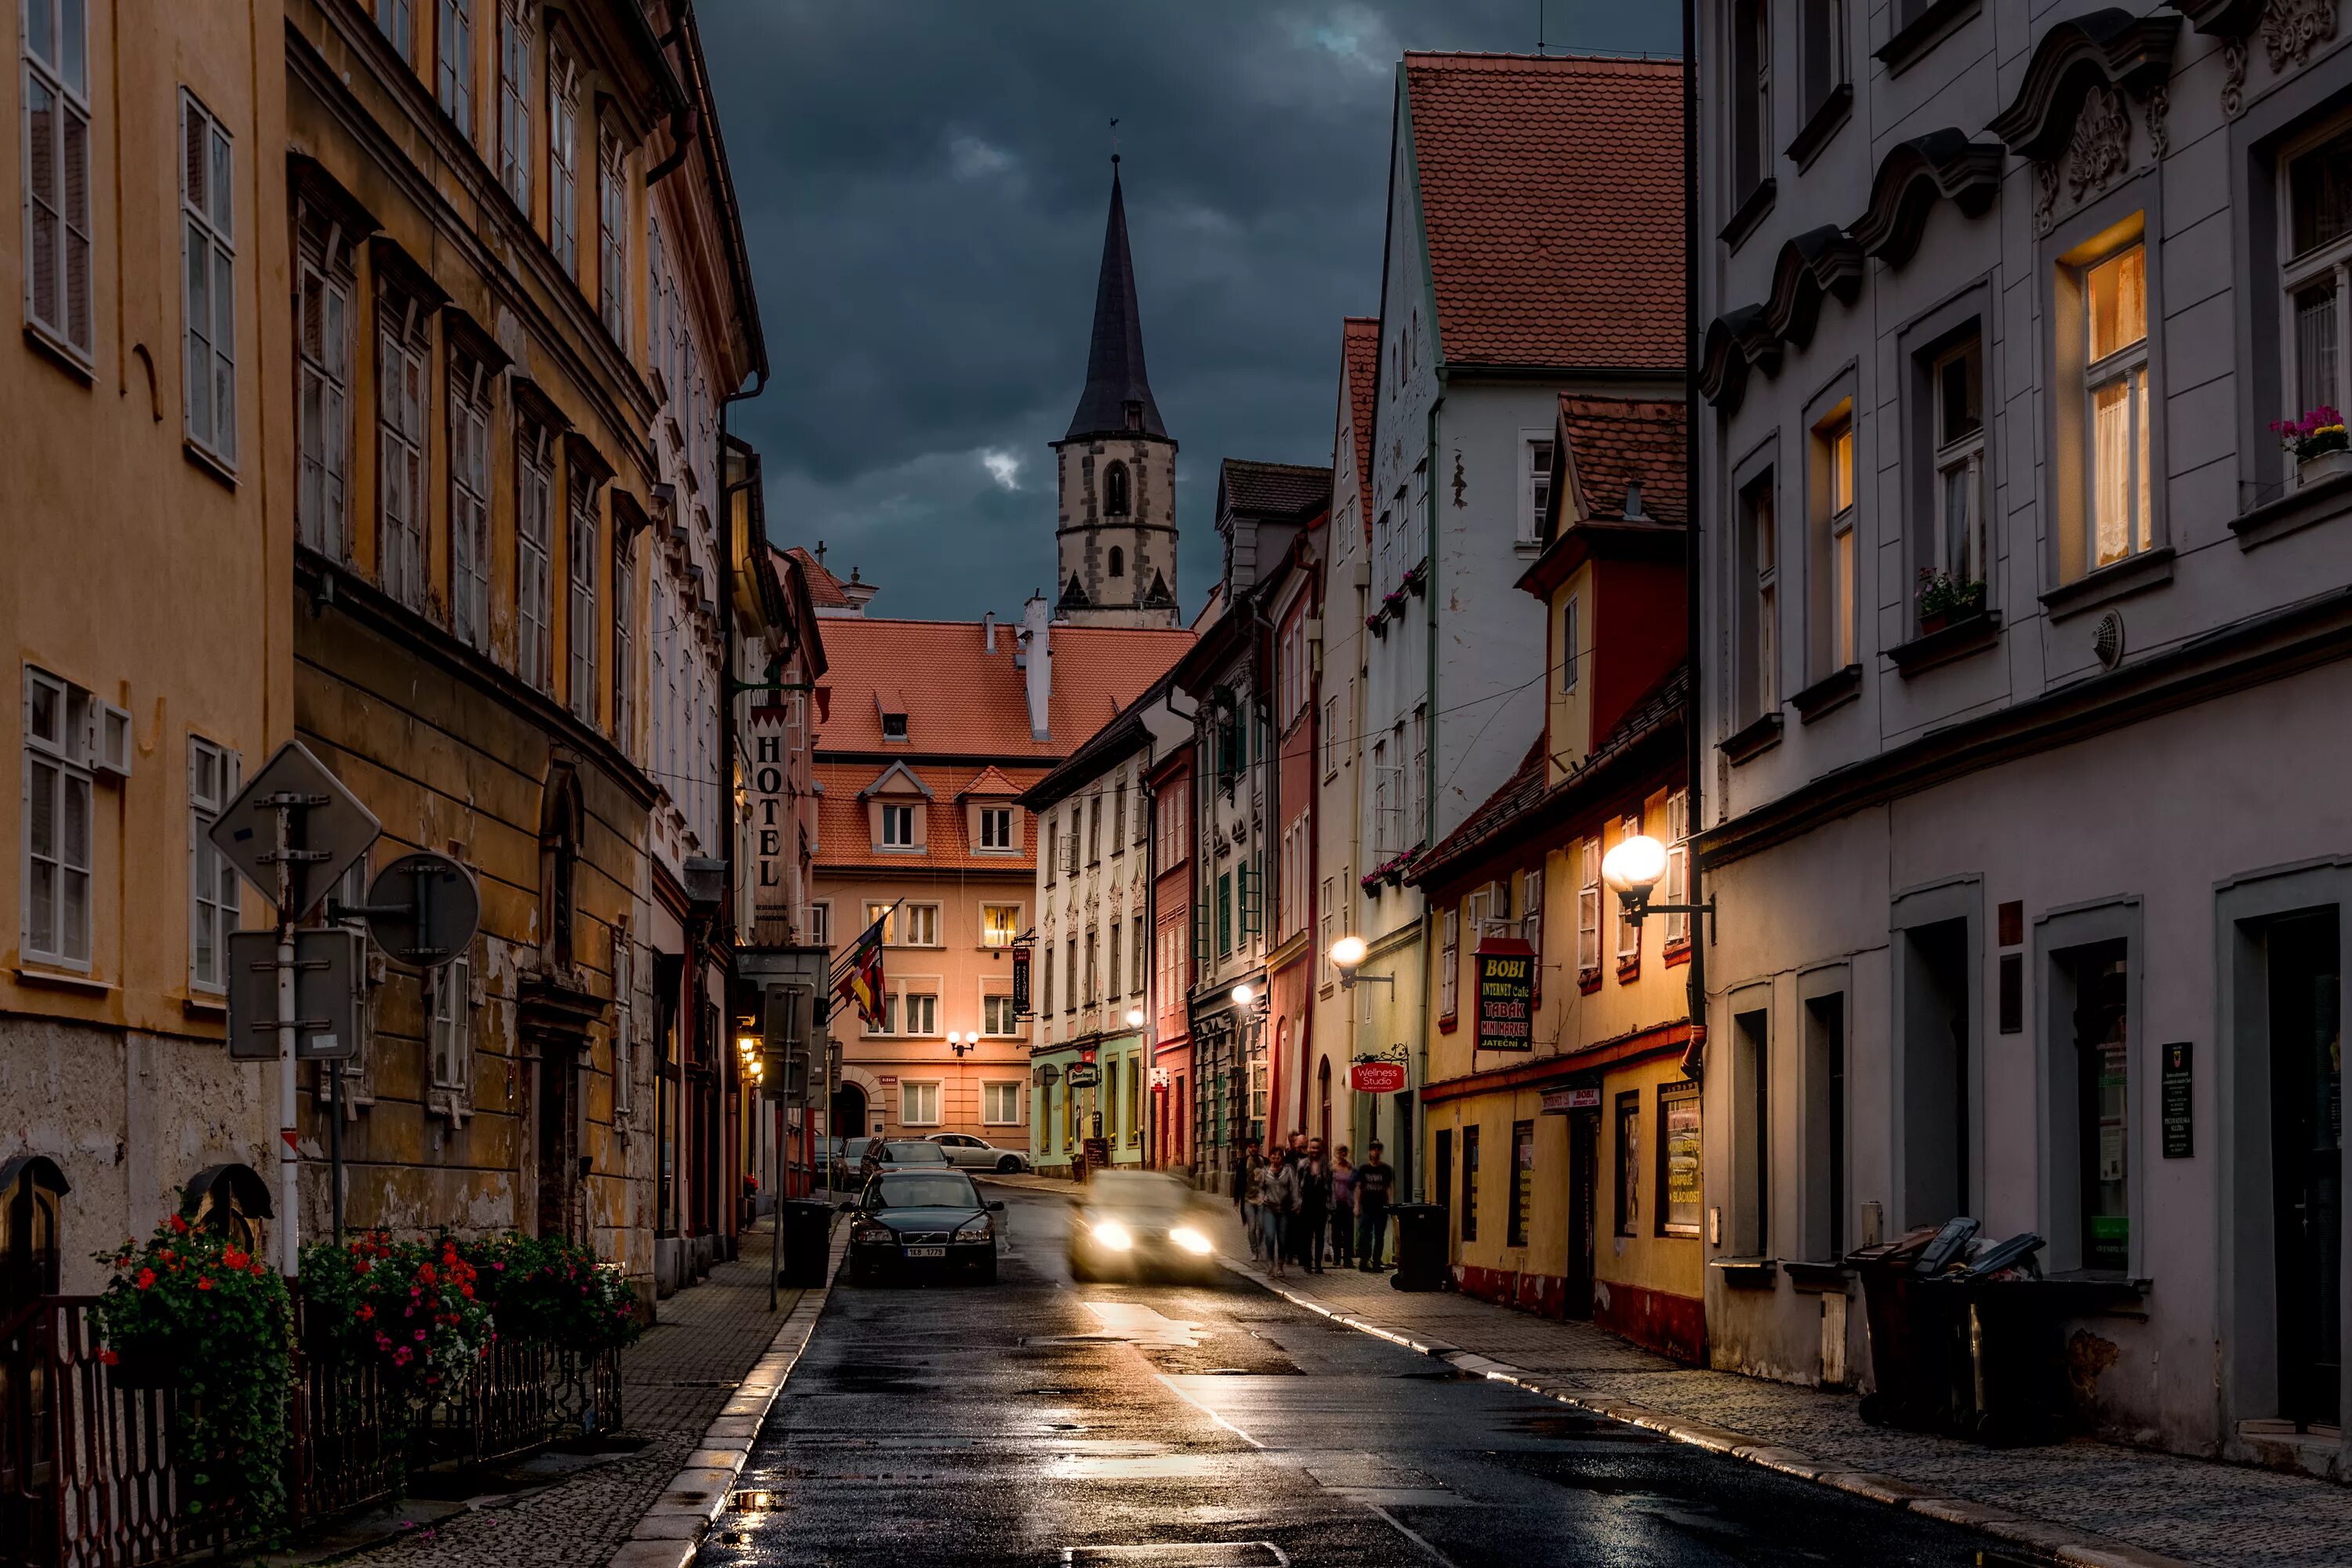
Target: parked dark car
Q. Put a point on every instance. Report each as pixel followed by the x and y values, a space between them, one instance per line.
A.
pixel 1140 1225
pixel 909 1222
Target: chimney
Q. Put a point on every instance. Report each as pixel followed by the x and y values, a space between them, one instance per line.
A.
pixel 988 630
pixel 1036 629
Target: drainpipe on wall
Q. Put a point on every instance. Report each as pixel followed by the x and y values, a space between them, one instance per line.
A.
pixel 1695 1055
pixel 1429 791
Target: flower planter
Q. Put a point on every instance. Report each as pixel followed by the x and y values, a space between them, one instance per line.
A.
pixel 1929 625
pixel 2323 467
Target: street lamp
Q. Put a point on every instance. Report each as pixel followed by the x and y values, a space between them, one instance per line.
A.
pixel 1135 1018
pixel 1347 954
pixel 1244 995
pixel 1634 868
pixel 959 1044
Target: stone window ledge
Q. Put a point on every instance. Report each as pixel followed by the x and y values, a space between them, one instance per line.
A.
pixel 2148 569
pixel 1972 634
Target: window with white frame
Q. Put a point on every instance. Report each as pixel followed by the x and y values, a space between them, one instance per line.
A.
pixel 398 20
pixel 922 1013
pixel 401 354
pixel 624 640
pixel 1000 1104
pixel 1959 541
pixel 56 134
pixel 1449 963
pixel 1837 609
pixel 322 352
pixel 1531 890
pixel 897 827
pixel 1628 931
pixel 58 822
pixel 514 100
pixel 888 1023
pixel 922 925
pixel 1331 738
pixel 455 59
pixel 1327 931
pixel 820 925
pixel 1536 489
pixel 469 500
pixel 887 915
pixel 1570 646
pixel 996 828
pixel 918 1103
pixel 1113 972
pixel 209 279
pixel 1417 804
pixel 612 236
pixel 2117 516
pixel 563 158
pixel 1421 517
pixel 1094 972
pixel 1588 907
pixel 2317 214
pixel 580 560
pixel 1135 956
pixel 452 1023
pixel 625 1013
pixel 535 504
pixel 212 897
pixel 1678 866
pixel 1384 548
pixel 996 1014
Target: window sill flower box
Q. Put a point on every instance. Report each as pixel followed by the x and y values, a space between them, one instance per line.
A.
pixel 1394 602
pixel 2322 448
pixel 2309 471
pixel 1417 580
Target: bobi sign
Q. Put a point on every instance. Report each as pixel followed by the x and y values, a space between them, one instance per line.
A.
pixel 1506 994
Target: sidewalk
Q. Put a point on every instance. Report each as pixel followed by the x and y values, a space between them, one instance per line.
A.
pixel 2100 1505
pixel 579 1510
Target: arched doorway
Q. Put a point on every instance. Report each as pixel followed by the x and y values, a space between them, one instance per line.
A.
pixel 849 1118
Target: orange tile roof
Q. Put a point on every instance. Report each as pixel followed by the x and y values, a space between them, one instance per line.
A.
pixel 1614 441
pixel 825 588
pixel 962 700
pixel 1359 351
pixel 845 834
pixel 1552 191
pixel 990 782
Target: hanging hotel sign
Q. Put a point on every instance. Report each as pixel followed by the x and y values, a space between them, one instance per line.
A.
pixel 1021 982
pixel 1506 994
pixel 770 821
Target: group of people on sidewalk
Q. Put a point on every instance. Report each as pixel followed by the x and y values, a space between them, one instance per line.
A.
pixel 1302 1206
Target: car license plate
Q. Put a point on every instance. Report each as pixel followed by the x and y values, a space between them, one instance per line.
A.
pixel 927 1252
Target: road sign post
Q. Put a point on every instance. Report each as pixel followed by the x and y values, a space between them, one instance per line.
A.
pixel 314 829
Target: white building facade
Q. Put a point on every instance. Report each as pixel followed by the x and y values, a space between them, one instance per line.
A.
pixel 2023 659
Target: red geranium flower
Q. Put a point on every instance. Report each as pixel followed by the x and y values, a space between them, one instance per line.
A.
pixel 146 1277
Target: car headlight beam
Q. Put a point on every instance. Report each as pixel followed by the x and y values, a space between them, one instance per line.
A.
pixel 1113 1235
pixel 975 1230
pixel 1190 1240
pixel 868 1230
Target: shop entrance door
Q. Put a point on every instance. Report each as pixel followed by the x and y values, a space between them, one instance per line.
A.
pixel 1583 1184
pixel 2307 1164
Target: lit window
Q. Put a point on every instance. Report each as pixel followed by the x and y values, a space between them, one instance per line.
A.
pixel 1838 550
pixel 922 927
pixel 2116 383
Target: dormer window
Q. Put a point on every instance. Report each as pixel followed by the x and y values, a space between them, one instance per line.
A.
pixel 897 827
pixel 894 726
pixel 1133 410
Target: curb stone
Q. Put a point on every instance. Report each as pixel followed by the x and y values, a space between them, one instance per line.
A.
pixel 2065 1543
pixel 672 1529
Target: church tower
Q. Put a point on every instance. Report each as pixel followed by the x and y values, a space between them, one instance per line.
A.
pixel 1117 466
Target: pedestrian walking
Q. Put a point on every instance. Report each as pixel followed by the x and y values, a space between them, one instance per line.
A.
pixel 1375 1180
pixel 871 1165
pixel 1278 1209
pixel 1314 1207
pixel 1247 1176
pixel 1343 1208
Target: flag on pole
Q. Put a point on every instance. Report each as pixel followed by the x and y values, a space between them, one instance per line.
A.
pixel 861 979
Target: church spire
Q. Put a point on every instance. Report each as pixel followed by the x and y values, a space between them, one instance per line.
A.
pixel 1117 399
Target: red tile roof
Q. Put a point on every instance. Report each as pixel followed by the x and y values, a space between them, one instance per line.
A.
pixel 1551 189
pixel 1359 351
pixel 962 700
pixel 991 781
pixel 825 588
pixel 845 833
pixel 1615 441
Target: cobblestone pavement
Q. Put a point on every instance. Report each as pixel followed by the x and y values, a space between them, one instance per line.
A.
pixel 674 1381
pixel 2197 1510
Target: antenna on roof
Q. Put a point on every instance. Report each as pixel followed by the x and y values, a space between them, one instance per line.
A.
pixel 1114 141
pixel 1539 26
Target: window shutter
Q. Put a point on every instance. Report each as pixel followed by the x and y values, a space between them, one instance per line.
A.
pixel 1588 907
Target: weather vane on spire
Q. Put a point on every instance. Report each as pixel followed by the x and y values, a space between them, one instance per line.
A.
pixel 1114 138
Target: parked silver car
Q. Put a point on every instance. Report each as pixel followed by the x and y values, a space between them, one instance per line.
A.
pixel 970 1153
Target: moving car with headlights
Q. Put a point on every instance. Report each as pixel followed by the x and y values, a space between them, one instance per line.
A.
pixel 914 1222
pixel 1139 1225
pixel 967 1152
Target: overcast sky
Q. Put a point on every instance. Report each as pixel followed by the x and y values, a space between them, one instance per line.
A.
pixel 924 184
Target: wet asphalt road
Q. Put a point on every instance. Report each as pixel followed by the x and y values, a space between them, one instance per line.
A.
pixel 1038 1422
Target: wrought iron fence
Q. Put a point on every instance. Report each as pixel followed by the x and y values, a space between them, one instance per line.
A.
pixel 88 1479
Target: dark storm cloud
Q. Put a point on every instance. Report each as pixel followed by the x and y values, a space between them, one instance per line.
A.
pixel 924 184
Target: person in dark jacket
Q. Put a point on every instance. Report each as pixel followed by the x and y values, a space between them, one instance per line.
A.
pixel 1314 1206
pixel 1375 1181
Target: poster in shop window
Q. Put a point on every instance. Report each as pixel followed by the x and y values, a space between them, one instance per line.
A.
pixel 1506 994
pixel 1678 1154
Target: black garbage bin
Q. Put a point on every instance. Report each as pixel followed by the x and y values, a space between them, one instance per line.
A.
pixel 1421 1247
pixel 808 1241
pixel 1912 1335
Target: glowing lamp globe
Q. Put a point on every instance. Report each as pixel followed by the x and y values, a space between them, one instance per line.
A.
pixel 1347 952
pixel 1635 865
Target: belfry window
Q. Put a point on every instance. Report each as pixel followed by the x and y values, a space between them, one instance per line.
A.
pixel 1115 492
pixel 1118 561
